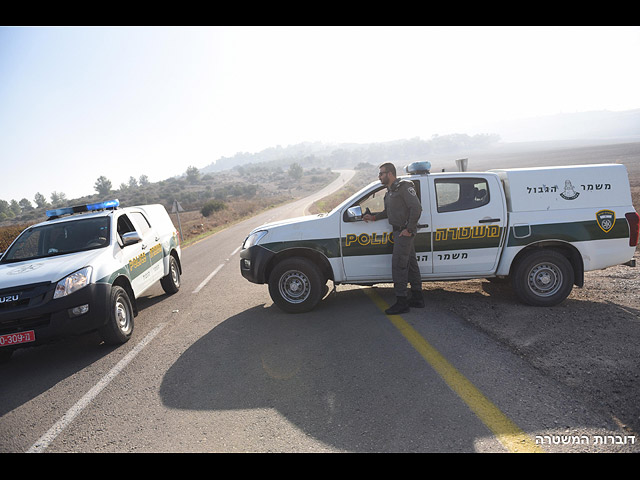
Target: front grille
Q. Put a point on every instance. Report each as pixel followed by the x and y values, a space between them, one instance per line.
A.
pixel 24 296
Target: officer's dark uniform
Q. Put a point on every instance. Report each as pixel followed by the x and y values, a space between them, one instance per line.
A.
pixel 402 207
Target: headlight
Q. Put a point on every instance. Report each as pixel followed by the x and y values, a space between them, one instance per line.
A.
pixel 73 282
pixel 254 238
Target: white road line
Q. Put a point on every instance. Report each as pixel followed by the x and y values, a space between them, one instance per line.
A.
pixel 206 280
pixel 73 412
pixel 44 441
pixel 212 274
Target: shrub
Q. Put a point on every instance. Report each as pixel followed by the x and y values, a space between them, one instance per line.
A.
pixel 212 206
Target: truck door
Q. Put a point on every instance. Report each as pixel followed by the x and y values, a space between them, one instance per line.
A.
pixel 137 256
pixel 367 246
pixel 469 216
pixel 151 246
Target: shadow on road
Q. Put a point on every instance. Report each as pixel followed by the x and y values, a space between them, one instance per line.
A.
pixel 331 372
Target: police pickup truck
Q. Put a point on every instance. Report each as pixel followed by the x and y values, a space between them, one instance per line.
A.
pixel 82 270
pixel 541 227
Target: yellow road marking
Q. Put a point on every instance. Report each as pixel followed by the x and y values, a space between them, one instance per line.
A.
pixel 507 432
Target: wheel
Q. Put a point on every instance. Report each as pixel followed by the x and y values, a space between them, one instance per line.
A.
pixel 296 285
pixel 543 278
pixel 119 325
pixel 171 281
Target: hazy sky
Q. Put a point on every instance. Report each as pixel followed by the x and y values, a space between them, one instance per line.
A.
pixel 77 103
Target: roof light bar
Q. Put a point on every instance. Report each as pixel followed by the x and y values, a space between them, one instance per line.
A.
pixel 90 207
pixel 418 167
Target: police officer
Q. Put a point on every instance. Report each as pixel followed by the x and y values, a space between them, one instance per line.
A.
pixel 402 207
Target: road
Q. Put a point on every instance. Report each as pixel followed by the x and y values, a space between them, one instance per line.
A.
pixel 218 368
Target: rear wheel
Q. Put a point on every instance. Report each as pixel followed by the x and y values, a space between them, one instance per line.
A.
pixel 543 278
pixel 171 281
pixel 119 326
pixel 296 285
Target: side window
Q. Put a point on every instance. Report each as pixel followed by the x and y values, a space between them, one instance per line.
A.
pixel 141 222
pixel 454 194
pixel 124 226
pixel 374 201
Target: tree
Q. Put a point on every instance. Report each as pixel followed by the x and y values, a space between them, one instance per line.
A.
pixel 133 183
pixel 144 180
pixel 295 171
pixel 58 198
pixel 102 185
pixel 15 208
pixel 25 205
pixel 5 211
pixel 41 200
pixel 193 174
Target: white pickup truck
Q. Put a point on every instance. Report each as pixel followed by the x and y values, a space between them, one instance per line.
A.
pixel 542 227
pixel 82 270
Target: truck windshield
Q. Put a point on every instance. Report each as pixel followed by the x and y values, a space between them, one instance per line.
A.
pixel 59 239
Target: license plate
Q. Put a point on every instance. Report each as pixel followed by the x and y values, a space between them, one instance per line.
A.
pixel 16 338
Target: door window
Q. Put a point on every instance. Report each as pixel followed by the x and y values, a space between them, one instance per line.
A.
pixel 374 201
pixel 455 194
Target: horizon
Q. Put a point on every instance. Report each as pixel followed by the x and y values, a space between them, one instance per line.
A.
pixel 82 102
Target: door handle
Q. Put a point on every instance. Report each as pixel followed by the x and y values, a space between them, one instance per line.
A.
pixel 422 225
pixel 489 220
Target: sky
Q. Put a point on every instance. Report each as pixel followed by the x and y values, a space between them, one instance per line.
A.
pixel 77 103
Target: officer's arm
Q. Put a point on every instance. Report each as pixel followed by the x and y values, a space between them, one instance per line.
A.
pixel 415 209
pixel 379 215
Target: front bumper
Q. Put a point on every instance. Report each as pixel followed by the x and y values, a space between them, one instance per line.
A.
pixel 53 319
pixel 253 263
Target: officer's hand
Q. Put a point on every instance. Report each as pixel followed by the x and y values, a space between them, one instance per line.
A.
pixel 368 217
pixel 405 233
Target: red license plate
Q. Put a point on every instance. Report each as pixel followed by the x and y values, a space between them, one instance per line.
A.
pixel 16 338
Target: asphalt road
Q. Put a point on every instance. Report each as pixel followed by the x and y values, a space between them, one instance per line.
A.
pixel 218 368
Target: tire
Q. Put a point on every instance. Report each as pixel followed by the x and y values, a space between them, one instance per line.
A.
pixel 543 278
pixel 296 285
pixel 171 281
pixel 119 326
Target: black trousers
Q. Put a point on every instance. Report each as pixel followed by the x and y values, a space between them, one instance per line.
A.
pixel 404 265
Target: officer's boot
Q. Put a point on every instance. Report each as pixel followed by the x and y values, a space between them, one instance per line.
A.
pixel 401 306
pixel 416 300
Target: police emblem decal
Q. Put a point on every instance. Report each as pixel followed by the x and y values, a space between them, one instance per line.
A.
pixel 606 220
pixel 25 268
pixel 569 191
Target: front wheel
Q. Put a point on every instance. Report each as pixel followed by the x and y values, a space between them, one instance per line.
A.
pixel 543 278
pixel 296 285
pixel 119 326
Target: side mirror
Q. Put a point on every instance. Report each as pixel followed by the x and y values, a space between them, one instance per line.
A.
pixel 354 214
pixel 131 238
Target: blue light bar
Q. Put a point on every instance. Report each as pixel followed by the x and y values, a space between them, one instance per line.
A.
pixel 418 167
pixel 82 208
